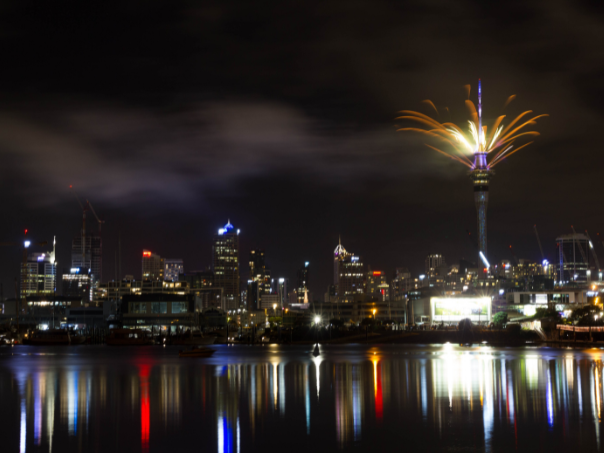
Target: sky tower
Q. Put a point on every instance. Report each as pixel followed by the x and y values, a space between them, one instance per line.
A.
pixel 480 175
pixel 478 150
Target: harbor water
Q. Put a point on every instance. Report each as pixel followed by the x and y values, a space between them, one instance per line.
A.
pixel 283 398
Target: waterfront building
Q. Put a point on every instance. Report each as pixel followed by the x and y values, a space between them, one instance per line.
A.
pixel 152 266
pixel 161 311
pixel 225 263
pixel 172 269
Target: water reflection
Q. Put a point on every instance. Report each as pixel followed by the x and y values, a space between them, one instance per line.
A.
pixel 250 398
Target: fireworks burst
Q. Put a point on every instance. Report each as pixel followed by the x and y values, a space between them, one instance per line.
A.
pixel 497 143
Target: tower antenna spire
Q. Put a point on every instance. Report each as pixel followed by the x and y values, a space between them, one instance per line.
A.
pixel 480 116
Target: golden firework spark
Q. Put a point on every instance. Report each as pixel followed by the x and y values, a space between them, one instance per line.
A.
pixel 497 141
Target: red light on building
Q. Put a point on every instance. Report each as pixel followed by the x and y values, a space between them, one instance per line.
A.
pixel 146 254
pixel 377 273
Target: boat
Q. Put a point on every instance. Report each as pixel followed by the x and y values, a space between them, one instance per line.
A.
pixel 194 338
pixel 129 337
pixel 196 352
pixel 48 337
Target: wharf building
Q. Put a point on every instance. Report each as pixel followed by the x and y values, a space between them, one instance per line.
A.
pixel 152 266
pixel 88 254
pixel 160 309
pixel 172 269
pixel 225 264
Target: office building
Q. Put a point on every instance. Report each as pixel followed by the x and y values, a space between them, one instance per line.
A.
pixel 225 263
pixel 351 280
pixel 377 286
pixel 433 262
pixel 152 266
pixel 39 273
pixel 88 254
pixel 259 282
pixel 302 287
pixel 172 269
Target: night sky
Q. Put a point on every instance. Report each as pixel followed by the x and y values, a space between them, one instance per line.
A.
pixel 172 117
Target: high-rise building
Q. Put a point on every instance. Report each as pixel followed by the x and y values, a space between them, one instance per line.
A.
pixel 401 284
pixel 172 269
pixel 433 262
pixel 152 266
pixel 78 282
pixel 377 286
pixel 573 258
pixel 302 286
pixel 89 256
pixel 39 274
pixel 339 254
pixel 351 279
pixel 225 263
pixel 259 281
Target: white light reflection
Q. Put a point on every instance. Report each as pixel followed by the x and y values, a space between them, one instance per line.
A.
pixel 549 399
pixel 317 361
pixel 307 398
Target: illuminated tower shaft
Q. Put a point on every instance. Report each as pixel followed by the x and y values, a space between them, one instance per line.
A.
pixel 481 176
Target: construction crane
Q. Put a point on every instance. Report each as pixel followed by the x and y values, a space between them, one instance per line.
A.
pixel 539 242
pixel 593 251
pixel 585 258
pixel 514 255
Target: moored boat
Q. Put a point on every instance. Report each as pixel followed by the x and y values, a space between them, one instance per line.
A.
pixel 129 337
pixel 48 337
pixel 196 352
pixel 192 339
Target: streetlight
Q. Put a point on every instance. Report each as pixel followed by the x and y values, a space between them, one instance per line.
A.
pixel 374 311
pixel 317 320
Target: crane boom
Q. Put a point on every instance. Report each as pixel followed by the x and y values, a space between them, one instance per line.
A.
pixel 585 260
pixel 89 204
pixel 539 242
pixel 593 251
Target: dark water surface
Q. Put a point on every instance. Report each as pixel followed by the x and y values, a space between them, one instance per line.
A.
pixel 280 398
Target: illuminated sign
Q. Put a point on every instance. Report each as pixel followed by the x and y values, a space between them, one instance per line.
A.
pixel 146 254
pixel 458 308
pixel 354 258
pixel 541 298
pixel 377 273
